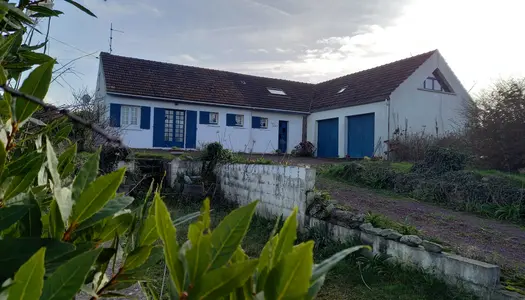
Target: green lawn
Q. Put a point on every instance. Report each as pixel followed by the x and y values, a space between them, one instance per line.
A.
pixel 355 278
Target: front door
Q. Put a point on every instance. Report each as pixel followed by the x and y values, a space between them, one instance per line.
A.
pixel 283 136
pixel 328 138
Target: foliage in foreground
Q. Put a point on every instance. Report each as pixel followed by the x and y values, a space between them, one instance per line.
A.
pixel 211 264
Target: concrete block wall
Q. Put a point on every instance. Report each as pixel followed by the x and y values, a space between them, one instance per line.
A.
pixel 279 188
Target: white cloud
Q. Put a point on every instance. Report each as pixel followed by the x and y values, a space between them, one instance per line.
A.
pixel 183 58
pixel 261 50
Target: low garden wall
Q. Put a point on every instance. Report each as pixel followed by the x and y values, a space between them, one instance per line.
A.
pixel 281 188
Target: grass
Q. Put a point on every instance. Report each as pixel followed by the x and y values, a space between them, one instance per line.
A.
pixel 153 154
pixel 402 167
pixel 520 178
pixel 346 281
pixel 381 221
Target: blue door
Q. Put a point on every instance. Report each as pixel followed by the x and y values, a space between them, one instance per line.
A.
pixel 283 136
pixel 168 128
pixel 361 136
pixel 328 138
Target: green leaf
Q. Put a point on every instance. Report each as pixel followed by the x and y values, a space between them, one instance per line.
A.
pixel 9 215
pixel 229 234
pixel 86 175
pixel 29 279
pixel 36 84
pixel 327 264
pixel 199 255
pixel 56 225
pixel 315 287
pixel 287 237
pixel 153 259
pixel 21 183
pixel 34 58
pixel 3 156
pixel 290 279
pixel 136 258
pixel 66 161
pixel 7 44
pixel 63 133
pixel 64 202
pixel 267 253
pixel 19 13
pixel 112 207
pixel 82 8
pixel 23 164
pixel 69 277
pixel 115 226
pixel 33 47
pixel 44 11
pixel 31 224
pixel 95 196
pixel 52 163
pixel 167 233
pixel 223 281
pixel 205 213
pixel 148 232
pixel 15 251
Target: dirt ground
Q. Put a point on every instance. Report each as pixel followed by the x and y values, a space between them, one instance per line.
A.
pixel 475 237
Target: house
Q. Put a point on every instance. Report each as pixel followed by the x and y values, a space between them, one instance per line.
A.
pixel 162 105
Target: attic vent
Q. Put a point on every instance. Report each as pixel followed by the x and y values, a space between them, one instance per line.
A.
pixel 276 91
pixel 342 89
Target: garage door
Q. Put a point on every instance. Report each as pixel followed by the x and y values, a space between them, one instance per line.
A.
pixel 328 138
pixel 361 136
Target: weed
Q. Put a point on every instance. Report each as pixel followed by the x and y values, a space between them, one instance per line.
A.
pixel 381 221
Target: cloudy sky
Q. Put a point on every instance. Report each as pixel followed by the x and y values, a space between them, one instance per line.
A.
pixel 305 40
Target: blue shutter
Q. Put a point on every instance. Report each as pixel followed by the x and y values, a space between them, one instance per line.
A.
pixel 191 129
pixel 204 117
pixel 230 120
pixel 145 117
pixel 114 115
pixel 256 122
pixel 158 127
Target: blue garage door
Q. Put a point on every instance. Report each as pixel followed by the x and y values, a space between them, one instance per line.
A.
pixel 361 136
pixel 328 138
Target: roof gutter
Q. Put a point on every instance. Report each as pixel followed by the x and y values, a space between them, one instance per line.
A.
pixel 207 103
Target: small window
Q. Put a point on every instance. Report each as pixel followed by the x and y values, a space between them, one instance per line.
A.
pixel 264 123
pixel 129 115
pixel 239 120
pixel 342 90
pixel 276 91
pixel 214 118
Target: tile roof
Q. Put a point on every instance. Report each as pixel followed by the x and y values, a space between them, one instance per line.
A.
pixel 139 77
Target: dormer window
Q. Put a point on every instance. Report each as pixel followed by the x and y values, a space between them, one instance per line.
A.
pixel 436 82
pixel 342 89
pixel 276 91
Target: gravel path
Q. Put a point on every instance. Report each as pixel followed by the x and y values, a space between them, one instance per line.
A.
pixel 475 237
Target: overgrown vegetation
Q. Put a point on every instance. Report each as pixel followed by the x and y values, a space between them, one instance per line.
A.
pixel 304 149
pixel 381 221
pixel 441 178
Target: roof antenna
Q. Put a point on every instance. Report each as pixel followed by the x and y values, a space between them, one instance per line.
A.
pixel 111 37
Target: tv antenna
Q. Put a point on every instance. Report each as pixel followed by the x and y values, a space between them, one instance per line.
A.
pixel 111 37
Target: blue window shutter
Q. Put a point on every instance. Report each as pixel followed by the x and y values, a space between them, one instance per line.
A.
pixel 145 117
pixel 256 122
pixel 191 129
pixel 230 120
pixel 114 115
pixel 204 117
pixel 158 127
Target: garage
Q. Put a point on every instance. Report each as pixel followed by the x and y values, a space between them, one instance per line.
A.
pixel 361 135
pixel 328 138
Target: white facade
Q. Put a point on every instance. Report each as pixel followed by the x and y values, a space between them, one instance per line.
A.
pixel 244 139
pixel 421 110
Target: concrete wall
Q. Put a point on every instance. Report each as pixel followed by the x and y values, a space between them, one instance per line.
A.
pixel 245 139
pixel 380 110
pixel 279 188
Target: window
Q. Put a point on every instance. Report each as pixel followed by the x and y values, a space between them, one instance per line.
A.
pixel 264 123
pixel 239 120
pixel 179 126
pixel 276 91
pixel 342 89
pixel 168 125
pixel 436 82
pixel 129 115
pixel 214 118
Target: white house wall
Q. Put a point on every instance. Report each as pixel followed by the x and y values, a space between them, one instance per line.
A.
pixel 245 139
pixel 380 111
pixel 420 110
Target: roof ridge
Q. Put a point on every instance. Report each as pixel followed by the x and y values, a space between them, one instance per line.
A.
pixel 429 53
pixel 207 69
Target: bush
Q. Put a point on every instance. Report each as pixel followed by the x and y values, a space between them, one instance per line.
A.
pixel 439 160
pixel 304 149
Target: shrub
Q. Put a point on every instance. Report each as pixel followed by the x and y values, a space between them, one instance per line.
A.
pixel 439 160
pixel 304 149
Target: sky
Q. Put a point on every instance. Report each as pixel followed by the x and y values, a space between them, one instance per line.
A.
pixel 303 40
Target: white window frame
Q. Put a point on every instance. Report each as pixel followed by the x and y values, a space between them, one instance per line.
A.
pixel 239 120
pixel 125 116
pixel 276 91
pixel 210 121
pixel 264 123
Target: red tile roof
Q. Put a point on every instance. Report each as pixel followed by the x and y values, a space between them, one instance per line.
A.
pixel 139 77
